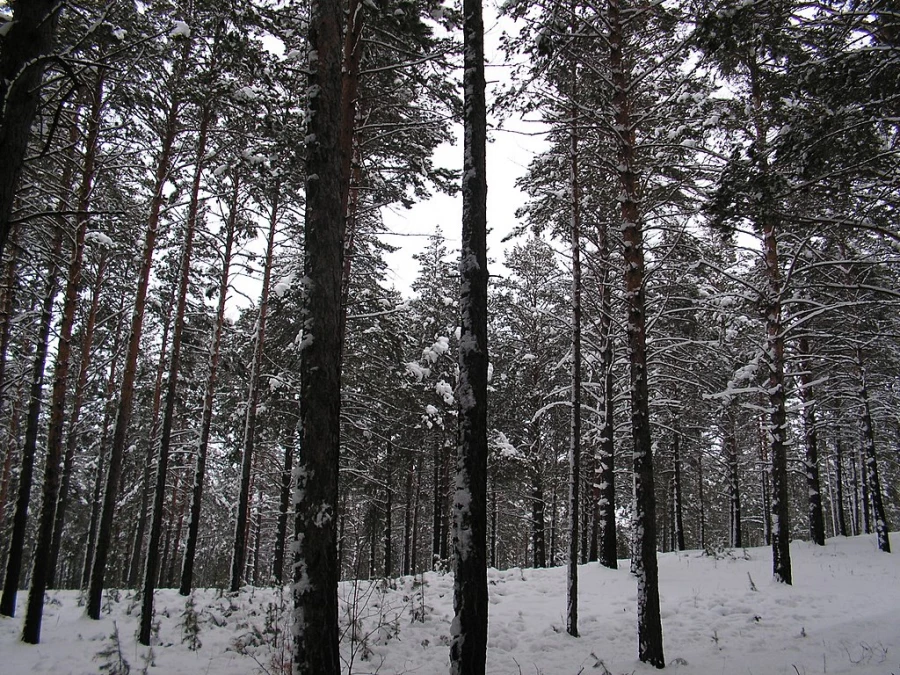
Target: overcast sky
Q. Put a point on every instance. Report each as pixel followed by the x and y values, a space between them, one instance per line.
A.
pixel 509 152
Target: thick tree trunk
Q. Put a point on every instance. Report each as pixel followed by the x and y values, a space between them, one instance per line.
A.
pixel 701 504
pixel 239 550
pixel 23 58
pixel 16 554
pixel 316 569
pixel 650 641
pixel 7 303
pixel 468 646
pixel 190 549
pixel 882 529
pixel 129 374
pixel 41 569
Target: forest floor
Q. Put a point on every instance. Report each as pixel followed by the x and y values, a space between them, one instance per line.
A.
pixel 721 614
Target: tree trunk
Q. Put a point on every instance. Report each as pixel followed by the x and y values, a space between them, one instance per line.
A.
pixel 608 552
pixel 16 553
pixel 701 503
pixel 284 505
pixel 96 504
pixel 152 564
pixel 575 426
pixel 239 551
pixel 468 646
pixel 73 435
pixel 22 62
pixel 137 548
pixel 882 529
pixel 388 508
pixel 650 643
pixel 734 480
pixel 190 549
pixel 41 569
pixel 811 438
pixel 316 570
pixel 839 484
pixel 407 520
pixel 678 512
pixel 7 304
pixel 126 399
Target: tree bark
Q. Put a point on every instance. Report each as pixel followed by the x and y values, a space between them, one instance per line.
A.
pixel 129 374
pixel 23 59
pixel 678 512
pixel 811 438
pixel 190 549
pixel 388 513
pixel 152 564
pixel 41 569
pixel 316 569
pixel 16 552
pixel 468 645
pixel 239 551
pixel 650 641
pixel 575 421
pixel 839 484
pixel 734 480
pixel 882 529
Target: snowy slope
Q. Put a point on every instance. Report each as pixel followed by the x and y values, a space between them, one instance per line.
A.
pixel 721 615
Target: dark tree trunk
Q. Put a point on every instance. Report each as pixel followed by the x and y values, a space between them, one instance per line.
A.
pixel 126 398
pixel 23 53
pixel 190 549
pixel 16 553
pixel 41 568
pixel 407 520
pixel 678 512
pixel 882 529
pixel 152 565
pixel 538 536
pixel 284 504
pixel 417 497
pixel 137 547
pixel 388 508
pixel 575 421
pixel 239 551
pixel 316 570
pixel 608 552
pixel 734 480
pixel 73 435
pixel 811 437
pixel 764 473
pixel 96 503
pixel 650 641
pixel 839 484
pixel 437 508
pixel 7 304
pixel 701 504
pixel 468 646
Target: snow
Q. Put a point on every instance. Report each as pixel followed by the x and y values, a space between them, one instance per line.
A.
pixel 181 29
pixel 720 614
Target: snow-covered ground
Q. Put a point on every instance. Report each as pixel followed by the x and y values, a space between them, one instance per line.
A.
pixel 720 615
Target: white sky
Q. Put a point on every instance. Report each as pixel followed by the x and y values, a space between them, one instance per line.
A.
pixel 509 152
